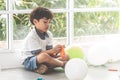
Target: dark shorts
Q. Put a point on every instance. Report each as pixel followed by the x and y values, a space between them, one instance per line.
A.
pixel 30 63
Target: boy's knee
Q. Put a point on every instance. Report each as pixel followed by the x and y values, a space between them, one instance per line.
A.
pixel 44 56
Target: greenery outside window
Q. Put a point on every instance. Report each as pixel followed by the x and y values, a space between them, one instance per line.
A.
pixel 2 4
pixel 96 23
pixel 95 3
pixel 3 40
pixel 30 4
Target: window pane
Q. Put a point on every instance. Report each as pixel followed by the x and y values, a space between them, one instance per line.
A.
pixel 95 3
pixel 30 4
pixel 58 27
pixel 3 43
pixel 96 23
pixel 2 4
pixel 22 26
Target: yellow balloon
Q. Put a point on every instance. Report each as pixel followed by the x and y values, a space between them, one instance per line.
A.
pixel 75 52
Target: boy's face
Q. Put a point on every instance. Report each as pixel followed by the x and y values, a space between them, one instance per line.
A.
pixel 43 24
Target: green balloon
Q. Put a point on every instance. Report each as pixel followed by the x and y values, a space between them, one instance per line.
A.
pixel 75 52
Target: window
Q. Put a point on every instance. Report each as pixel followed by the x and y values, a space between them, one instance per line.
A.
pixel 95 19
pixel 15 23
pixel 75 21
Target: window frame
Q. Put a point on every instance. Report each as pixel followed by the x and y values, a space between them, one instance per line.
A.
pixel 69 10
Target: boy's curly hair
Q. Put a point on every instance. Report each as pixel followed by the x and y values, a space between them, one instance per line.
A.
pixel 39 13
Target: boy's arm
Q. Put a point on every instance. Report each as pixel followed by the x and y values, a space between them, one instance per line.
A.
pixel 36 52
pixel 54 50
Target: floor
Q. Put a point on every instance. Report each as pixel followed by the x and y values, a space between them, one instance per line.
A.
pixel 94 73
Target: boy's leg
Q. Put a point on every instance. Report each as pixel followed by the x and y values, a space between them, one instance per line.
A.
pixel 46 63
pixel 50 62
pixel 45 58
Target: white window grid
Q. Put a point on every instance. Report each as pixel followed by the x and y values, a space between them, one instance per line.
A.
pixel 70 10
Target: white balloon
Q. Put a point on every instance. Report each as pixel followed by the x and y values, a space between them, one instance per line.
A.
pixel 114 54
pixel 76 69
pixel 98 54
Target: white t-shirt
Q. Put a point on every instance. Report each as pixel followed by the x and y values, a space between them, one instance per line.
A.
pixel 34 42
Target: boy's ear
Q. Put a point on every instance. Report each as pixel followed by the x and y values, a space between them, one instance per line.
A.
pixel 35 21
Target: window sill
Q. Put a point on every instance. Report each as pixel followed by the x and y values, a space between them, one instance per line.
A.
pixel 2 51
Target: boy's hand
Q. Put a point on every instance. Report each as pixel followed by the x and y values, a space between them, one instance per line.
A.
pixel 62 52
pixel 56 49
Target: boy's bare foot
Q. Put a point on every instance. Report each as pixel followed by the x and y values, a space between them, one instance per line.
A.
pixel 64 62
pixel 42 69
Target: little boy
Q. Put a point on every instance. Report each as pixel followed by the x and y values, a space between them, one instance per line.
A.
pixel 38 48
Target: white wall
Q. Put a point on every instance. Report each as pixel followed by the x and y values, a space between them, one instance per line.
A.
pixel 10 60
